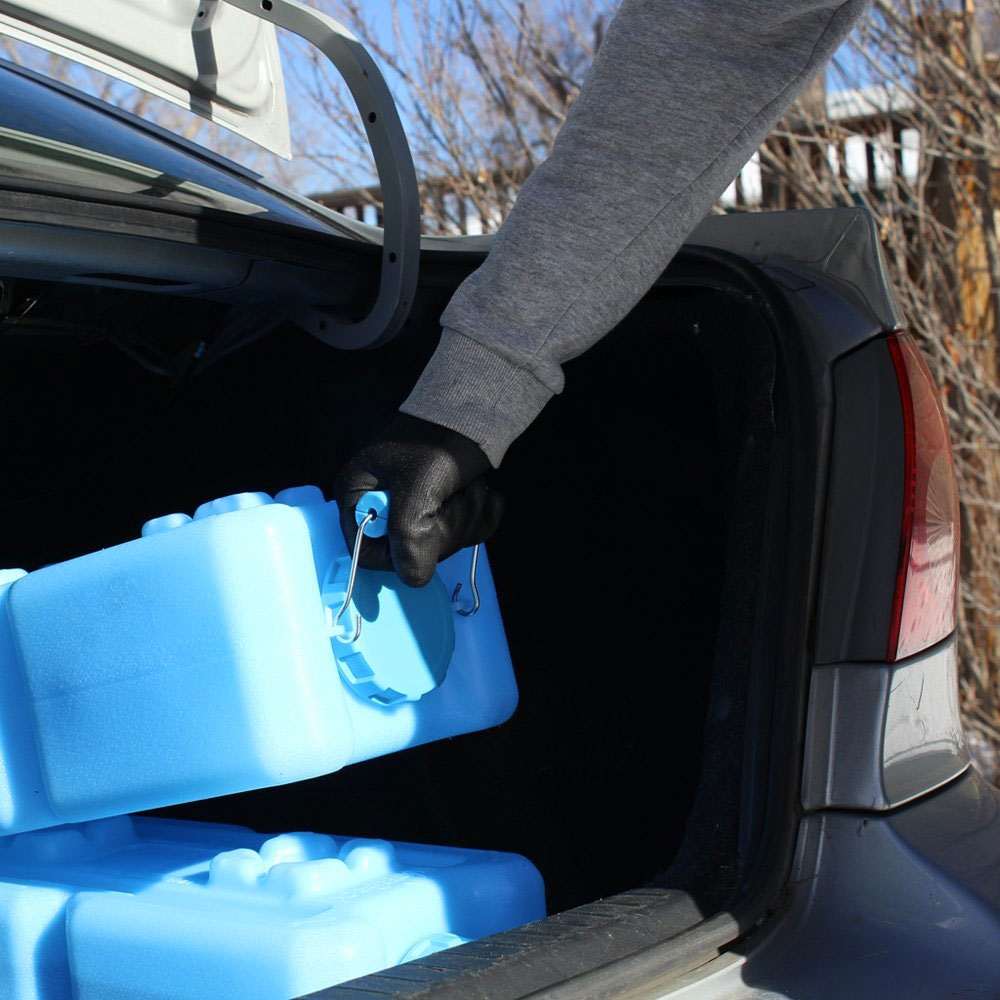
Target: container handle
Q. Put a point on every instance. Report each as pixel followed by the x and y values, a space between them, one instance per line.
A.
pixel 473 586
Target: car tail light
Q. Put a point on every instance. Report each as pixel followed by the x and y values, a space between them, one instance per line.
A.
pixel 923 609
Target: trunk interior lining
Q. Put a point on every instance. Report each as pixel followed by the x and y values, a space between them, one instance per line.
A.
pixel 611 563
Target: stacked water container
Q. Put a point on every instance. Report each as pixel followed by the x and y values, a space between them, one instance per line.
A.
pixel 233 650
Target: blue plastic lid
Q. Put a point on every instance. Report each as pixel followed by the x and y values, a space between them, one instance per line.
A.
pixel 407 635
pixel 375 503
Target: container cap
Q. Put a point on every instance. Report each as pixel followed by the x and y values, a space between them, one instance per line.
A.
pixel 407 635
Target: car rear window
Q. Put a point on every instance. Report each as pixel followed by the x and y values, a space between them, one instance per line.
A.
pixel 50 137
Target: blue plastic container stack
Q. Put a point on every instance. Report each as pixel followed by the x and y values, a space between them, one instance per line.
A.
pixel 208 657
pixel 127 908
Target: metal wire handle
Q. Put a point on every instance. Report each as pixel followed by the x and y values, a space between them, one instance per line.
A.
pixel 353 574
pixel 351 578
pixel 473 586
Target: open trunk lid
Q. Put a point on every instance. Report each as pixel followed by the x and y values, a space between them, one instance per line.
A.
pixel 205 55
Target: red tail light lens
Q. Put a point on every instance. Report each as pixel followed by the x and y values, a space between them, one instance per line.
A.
pixel 923 610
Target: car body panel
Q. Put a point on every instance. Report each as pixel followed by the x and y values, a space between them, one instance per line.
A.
pixel 901 905
pixel 879 735
pixel 839 246
pixel 864 510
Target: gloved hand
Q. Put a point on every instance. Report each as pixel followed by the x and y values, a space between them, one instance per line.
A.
pixel 439 501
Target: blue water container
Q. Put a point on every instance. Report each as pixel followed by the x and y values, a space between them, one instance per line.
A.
pixel 215 655
pixel 174 910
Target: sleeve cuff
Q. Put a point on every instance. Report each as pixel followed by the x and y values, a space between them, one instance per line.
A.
pixel 473 390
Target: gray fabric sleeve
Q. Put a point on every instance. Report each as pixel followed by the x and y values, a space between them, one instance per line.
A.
pixel 681 94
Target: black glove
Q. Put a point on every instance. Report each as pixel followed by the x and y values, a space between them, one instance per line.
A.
pixel 439 501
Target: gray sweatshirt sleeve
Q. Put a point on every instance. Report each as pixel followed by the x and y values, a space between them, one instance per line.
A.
pixel 681 94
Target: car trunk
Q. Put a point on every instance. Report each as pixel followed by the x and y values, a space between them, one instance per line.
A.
pixel 629 564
